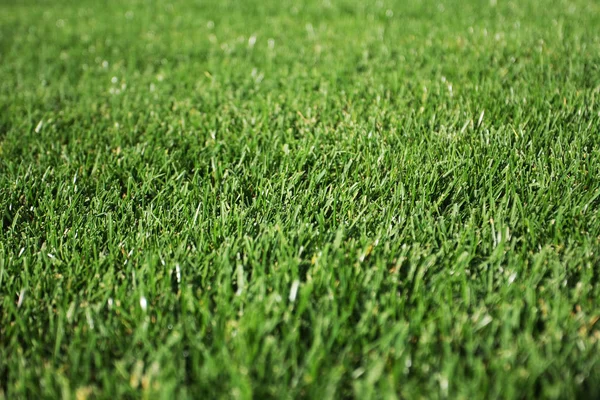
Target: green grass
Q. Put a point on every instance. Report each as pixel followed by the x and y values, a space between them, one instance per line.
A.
pixel 283 199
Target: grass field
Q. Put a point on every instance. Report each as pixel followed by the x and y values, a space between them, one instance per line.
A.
pixel 283 199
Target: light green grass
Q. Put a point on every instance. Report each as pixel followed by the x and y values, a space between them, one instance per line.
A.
pixel 322 199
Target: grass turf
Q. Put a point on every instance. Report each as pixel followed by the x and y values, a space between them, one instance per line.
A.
pixel 299 199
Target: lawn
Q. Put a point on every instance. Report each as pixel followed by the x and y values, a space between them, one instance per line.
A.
pixel 287 199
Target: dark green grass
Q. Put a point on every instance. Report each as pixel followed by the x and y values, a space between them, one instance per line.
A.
pixel 299 199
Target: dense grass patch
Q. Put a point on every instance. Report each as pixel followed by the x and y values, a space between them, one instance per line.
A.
pixel 284 199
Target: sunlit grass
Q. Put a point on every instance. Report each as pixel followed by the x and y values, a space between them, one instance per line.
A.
pixel 286 199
